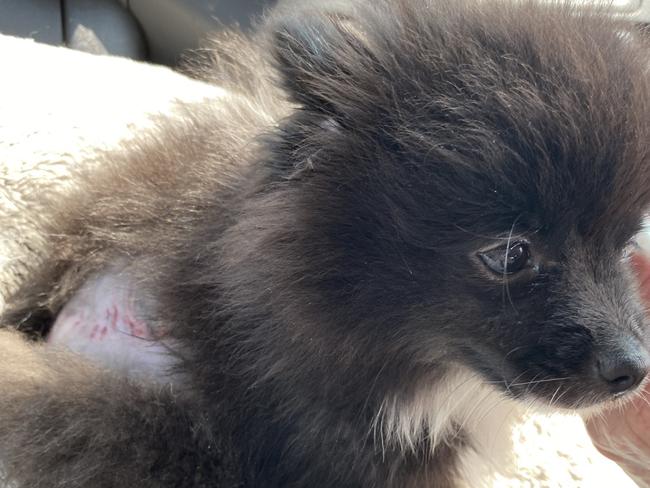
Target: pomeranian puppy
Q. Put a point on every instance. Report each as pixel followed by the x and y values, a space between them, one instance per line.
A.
pixel 402 222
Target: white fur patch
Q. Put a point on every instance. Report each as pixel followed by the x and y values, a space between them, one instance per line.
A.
pixel 103 322
pixel 461 402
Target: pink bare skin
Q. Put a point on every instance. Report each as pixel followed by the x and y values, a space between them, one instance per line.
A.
pixel 103 323
pixel 623 434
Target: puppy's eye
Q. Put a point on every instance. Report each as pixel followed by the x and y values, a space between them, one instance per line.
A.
pixel 505 260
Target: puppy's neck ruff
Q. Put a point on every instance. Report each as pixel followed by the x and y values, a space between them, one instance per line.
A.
pixel 460 407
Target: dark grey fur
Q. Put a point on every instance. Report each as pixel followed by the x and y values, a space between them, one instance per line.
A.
pixel 316 260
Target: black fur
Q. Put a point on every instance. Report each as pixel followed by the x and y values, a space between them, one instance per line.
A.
pixel 312 247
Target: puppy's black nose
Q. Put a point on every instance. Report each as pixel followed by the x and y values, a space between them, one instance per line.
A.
pixel 622 374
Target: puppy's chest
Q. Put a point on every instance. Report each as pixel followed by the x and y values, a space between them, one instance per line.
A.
pixel 465 422
pixel 106 321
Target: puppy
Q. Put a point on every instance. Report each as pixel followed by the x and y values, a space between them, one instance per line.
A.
pixel 403 222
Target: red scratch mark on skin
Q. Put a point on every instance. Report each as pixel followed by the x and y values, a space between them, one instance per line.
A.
pixel 114 317
pixel 103 333
pixel 134 327
pixel 94 332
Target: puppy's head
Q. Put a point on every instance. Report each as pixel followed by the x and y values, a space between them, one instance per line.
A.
pixel 461 184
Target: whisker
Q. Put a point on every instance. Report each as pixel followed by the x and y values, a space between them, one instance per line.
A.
pixel 506 288
pixel 643 397
pixel 491 237
pixel 531 384
pixel 546 380
pixel 552 401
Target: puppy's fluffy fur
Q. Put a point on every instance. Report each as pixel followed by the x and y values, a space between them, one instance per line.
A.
pixel 312 246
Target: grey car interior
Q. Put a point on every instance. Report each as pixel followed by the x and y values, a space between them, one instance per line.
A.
pixel 155 30
pixel 160 30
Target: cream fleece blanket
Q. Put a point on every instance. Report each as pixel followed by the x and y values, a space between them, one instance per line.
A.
pixel 59 107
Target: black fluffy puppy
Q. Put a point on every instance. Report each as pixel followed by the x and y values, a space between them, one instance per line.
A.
pixel 409 219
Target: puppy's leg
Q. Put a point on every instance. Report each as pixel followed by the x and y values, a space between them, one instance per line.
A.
pixel 66 423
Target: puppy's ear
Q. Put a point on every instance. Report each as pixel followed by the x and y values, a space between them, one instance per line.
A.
pixel 320 59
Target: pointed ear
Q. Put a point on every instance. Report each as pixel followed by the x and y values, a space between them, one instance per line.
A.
pixel 319 59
